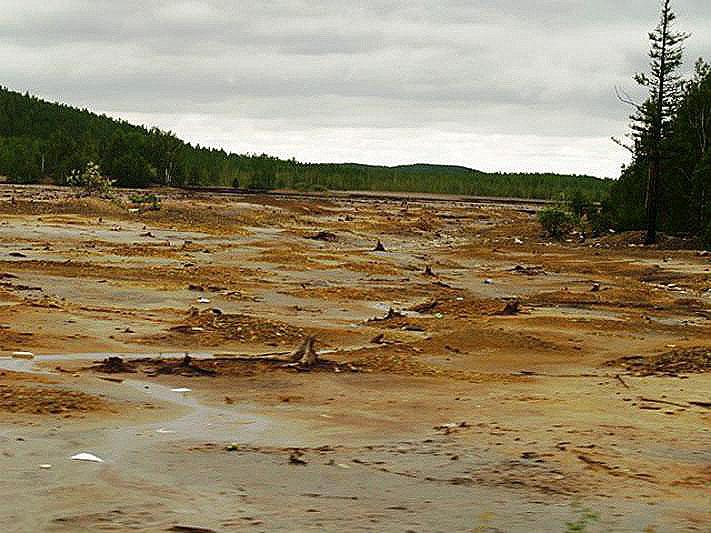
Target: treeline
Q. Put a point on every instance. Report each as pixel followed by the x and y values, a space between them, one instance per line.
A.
pixel 441 179
pixel 667 185
pixel 684 190
pixel 44 142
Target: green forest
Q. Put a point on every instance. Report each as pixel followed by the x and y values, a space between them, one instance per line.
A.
pixel 667 185
pixel 43 142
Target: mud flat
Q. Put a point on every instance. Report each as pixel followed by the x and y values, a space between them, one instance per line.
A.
pixel 473 376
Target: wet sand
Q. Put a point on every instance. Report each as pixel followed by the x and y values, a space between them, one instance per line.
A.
pixel 447 414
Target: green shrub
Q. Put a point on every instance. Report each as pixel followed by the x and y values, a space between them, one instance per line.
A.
pixel 91 181
pixel 556 222
pixel 579 205
pixel 601 219
pixel 146 199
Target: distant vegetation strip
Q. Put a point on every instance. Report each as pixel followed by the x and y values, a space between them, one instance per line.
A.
pixel 43 142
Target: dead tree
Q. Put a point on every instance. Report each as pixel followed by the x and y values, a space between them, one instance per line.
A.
pixel 304 354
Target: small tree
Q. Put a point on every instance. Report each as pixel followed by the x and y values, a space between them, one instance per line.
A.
pixel 651 121
pixel 91 181
pixel 556 222
pixel 579 204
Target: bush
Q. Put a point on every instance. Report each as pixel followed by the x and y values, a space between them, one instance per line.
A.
pixel 91 181
pixel 556 222
pixel 147 198
pixel 579 205
pixel 602 219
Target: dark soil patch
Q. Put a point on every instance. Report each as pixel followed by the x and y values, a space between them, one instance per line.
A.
pixel 673 363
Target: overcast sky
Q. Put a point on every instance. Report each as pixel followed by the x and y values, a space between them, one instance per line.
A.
pixel 491 84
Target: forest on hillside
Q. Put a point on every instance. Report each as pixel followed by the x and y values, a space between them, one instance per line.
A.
pixel 45 142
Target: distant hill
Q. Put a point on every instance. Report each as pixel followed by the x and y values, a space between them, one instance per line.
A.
pixel 44 141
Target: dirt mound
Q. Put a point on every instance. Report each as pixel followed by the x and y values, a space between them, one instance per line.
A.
pixel 237 366
pixel 535 270
pixel 454 304
pixel 212 327
pixel 41 400
pixel 114 365
pixel 325 236
pixel 673 363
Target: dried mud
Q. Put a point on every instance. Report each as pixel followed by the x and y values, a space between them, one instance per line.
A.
pixel 472 360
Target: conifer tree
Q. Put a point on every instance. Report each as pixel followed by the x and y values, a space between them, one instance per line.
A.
pixel 652 120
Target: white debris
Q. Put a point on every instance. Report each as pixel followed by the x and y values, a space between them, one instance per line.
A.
pixel 488 281
pixel 203 300
pixel 22 355
pixel 90 457
pixel 518 241
pixel 181 389
pixel 45 466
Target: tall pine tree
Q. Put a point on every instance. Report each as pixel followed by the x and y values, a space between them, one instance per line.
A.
pixel 652 120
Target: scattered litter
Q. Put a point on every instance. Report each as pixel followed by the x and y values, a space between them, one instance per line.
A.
pixel 89 457
pixel 595 287
pixel 488 281
pixel 452 427
pixel 203 300
pixel 518 241
pixel 165 431
pixel 45 466
pixel 181 390
pixel 23 355
pixel 133 210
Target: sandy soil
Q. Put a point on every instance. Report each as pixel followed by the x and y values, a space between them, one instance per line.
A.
pixel 517 385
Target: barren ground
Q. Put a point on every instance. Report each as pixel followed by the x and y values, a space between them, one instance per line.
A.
pixel 587 408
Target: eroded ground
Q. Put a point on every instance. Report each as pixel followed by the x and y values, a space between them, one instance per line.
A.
pixel 478 394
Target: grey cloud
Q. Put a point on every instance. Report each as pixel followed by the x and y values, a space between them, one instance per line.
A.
pixel 545 68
